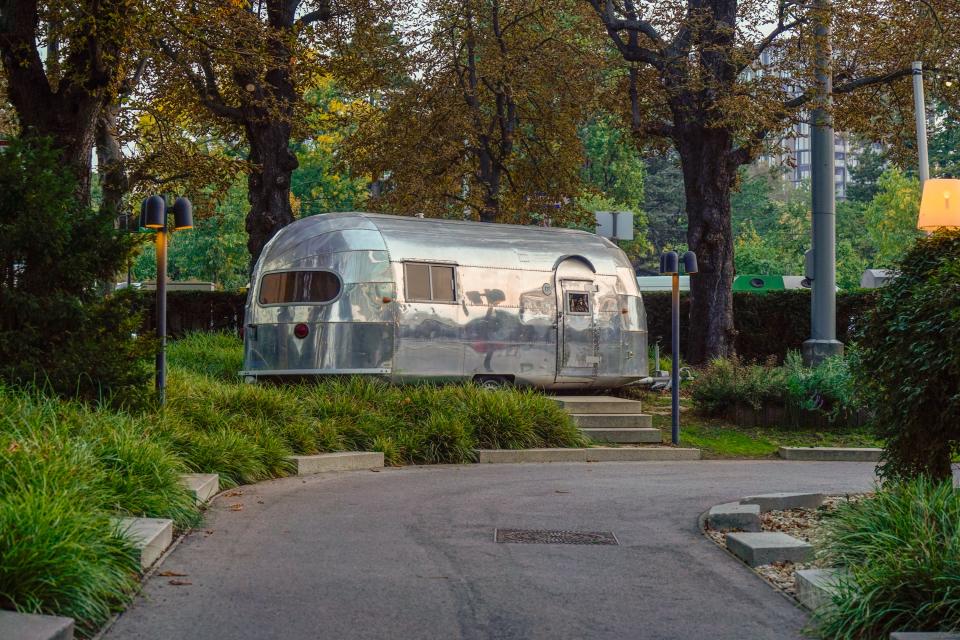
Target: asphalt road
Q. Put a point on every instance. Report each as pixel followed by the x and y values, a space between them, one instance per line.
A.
pixel 410 553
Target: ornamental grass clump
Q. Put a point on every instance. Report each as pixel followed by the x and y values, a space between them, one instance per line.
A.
pixel 66 470
pixel 901 549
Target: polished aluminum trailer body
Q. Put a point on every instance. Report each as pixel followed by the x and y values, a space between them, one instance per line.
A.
pixel 413 299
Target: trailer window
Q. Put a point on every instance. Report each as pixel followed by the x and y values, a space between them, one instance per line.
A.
pixel 578 302
pixel 294 287
pixel 430 282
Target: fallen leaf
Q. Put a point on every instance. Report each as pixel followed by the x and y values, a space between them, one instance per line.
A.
pixel 171 574
pixel 558 491
pixel 235 492
pixel 236 507
pixel 180 583
pixel 375 470
pixel 14 447
pixel 259 501
pixel 209 532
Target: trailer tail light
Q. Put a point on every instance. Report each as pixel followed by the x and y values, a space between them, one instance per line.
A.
pixel 301 331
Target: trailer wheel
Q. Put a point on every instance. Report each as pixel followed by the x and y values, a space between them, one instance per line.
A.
pixel 493 383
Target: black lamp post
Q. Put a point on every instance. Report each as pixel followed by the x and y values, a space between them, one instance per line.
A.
pixel 153 215
pixel 670 265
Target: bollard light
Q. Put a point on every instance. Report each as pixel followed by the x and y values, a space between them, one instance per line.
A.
pixel 153 215
pixel 670 265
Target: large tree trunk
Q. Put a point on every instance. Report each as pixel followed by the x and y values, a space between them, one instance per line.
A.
pixel 269 183
pixel 708 180
pixel 113 177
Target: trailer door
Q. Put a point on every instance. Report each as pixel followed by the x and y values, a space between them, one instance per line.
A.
pixel 578 340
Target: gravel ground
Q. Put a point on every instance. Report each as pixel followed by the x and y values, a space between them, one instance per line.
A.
pixel 799 523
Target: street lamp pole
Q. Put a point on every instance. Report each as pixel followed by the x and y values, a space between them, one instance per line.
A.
pixel 822 269
pixel 920 113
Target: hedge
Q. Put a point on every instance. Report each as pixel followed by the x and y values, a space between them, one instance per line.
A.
pixel 767 324
pixel 189 311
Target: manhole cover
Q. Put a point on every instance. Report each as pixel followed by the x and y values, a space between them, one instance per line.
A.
pixel 547 536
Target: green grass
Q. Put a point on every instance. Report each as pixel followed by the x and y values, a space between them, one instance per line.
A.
pixel 901 548
pixel 718 438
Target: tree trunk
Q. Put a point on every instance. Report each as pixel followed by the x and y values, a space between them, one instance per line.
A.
pixel 113 177
pixel 268 183
pixel 708 180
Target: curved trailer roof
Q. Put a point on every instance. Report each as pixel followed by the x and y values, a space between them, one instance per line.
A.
pixel 434 239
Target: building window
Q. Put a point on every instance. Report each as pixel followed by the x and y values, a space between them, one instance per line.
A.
pixel 430 282
pixel 299 287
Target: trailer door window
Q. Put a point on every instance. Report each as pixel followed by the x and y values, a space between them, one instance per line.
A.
pixel 430 282
pixel 578 302
pixel 299 287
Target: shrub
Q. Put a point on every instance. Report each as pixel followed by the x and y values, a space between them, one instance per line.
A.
pixel 910 359
pixel 828 390
pixel 901 548
pixel 56 330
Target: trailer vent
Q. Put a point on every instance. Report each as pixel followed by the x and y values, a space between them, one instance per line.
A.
pixel 547 536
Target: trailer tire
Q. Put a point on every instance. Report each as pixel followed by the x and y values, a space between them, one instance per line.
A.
pixel 493 383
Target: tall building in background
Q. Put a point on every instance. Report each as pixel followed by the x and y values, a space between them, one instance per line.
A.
pixel 790 151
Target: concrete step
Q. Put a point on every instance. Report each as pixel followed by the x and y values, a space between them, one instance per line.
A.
pixel 151 536
pixel 613 420
pixel 831 454
pixel 597 404
pixel 815 587
pixel 733 515
pixel 782 501
pixel 624 436
pixel 203 486
pixel 339 461
pixel 28 626
pixel 768 546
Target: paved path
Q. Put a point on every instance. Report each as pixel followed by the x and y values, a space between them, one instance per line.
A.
pixel 409 553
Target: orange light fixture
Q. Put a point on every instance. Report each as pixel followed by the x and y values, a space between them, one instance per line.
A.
pixel 940 205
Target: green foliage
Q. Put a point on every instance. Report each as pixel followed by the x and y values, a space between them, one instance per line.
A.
pixel 56 329
pixel 901 549
pixel 829 388
pixel 910 359
pixel 613 165
pixel 891 217
pixel 724 383
pixel 664 202
pixel 323 182
pixel 865 175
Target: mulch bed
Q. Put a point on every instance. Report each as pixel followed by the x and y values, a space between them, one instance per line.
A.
pixel 799 523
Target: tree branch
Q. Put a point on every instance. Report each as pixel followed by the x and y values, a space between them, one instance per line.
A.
pixel 321 14
pixel 206 88
pixel 852 85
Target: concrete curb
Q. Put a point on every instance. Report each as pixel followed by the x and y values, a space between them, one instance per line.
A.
pixel 29 626
pixel 782 501
pixel 831 454
pixel 815 587
pixel 766 547
pixel 592 454
pixel 151 536
pixel 203 486
pixel 338 461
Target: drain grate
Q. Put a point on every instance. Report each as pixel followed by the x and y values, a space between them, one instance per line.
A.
pixel 547 536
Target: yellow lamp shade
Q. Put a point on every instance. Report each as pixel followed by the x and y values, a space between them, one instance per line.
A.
pixel 940 205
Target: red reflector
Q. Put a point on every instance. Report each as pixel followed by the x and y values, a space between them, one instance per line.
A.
pixel 301 330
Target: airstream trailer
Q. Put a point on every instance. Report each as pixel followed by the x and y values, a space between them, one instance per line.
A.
pixel 413 299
